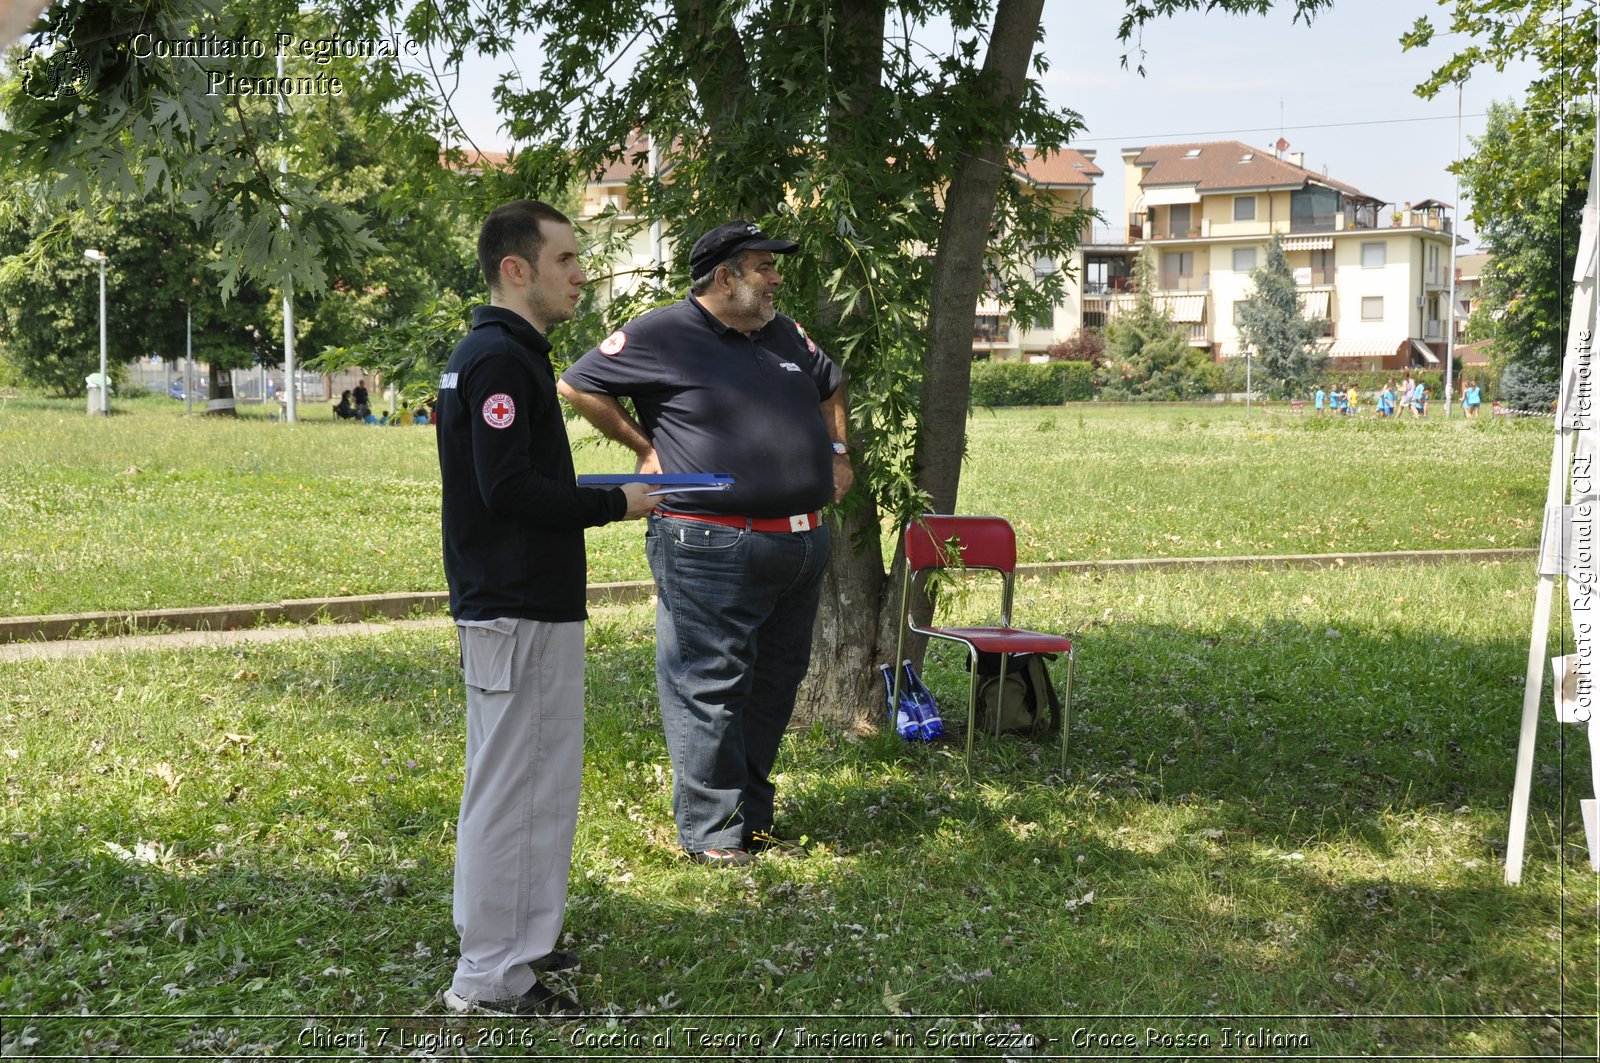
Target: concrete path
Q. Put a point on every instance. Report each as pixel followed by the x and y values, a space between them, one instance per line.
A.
pixel 44 637
pixel 182 640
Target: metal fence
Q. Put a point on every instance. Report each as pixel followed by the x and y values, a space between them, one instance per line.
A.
pixel 249 385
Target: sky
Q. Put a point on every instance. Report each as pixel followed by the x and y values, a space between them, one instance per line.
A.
pixel 1339 90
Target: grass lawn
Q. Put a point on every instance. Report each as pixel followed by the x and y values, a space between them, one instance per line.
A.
pixel 151 509
pixel 1284 813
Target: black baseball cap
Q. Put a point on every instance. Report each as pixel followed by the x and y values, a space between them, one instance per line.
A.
pixel 727 240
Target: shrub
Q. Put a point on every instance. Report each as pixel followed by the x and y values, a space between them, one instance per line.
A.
pixel 1086 345
pixel 1031 384
pixel 1529 387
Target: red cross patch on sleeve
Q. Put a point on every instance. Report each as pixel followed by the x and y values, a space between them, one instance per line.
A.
pixel 612 345
pixel 499 411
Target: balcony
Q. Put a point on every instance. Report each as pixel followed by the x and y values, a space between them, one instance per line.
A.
pixel 990 329
pixel 1106 236
pixel 1109 286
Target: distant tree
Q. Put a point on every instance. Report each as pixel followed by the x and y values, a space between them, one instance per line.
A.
pixel 50 296
pixel 1085 345
pixel 1273 324
pixel 1528 176
pixel 1147 356
pixel 1527 182
pixel 1558 36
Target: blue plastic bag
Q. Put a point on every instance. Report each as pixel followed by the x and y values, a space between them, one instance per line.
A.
pixel 904 713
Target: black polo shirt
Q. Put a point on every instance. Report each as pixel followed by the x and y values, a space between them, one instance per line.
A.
pixel 713 399
pixel 513 513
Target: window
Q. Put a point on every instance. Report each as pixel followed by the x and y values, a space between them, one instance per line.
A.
pixel 1238 312
pixel 989 328
pixel 1374 255
pixel 1244 208
pixel 1372 306
pixel 1179 262
pixel 1192 153
pixel 1244 259
pixel 1178 219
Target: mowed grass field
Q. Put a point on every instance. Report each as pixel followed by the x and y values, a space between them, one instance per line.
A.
pixel 150 509
pixel 1279 838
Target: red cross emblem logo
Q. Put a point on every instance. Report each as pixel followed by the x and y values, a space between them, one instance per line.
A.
pixel 612 345
pixel 499 411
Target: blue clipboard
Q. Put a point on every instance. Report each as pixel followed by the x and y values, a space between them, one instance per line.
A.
pixel 671 483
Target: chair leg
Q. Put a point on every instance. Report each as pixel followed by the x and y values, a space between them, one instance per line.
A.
pixel 1066 710
pixel 900 645
pixel 1000 695
pixel 972 703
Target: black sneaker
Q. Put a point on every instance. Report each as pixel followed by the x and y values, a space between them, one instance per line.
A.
pixel 557 963
pixel 762 841
pixel 539 1000
pixel 724 857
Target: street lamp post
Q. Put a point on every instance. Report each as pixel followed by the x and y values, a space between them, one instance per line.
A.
pixel 100 258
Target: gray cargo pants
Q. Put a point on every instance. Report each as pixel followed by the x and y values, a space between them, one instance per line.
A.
pixel 519 802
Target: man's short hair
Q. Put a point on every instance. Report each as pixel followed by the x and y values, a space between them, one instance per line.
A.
pixel 702 284
pixel 513 229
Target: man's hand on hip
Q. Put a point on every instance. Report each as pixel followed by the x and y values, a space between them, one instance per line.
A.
pixel 844 476
pixel 649 464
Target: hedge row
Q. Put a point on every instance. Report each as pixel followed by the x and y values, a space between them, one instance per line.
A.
pixel 997 383
pixel 1031 383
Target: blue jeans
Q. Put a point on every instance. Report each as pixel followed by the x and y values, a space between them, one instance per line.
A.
pixel 733 640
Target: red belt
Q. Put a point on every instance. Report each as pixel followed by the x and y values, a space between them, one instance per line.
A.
pixel 798 523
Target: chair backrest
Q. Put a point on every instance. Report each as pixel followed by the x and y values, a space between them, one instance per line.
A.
pixel 980 542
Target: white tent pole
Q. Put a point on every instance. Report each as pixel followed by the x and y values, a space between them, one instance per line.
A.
pixel 1571 416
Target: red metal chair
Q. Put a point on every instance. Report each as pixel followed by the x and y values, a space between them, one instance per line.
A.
pixel 936 541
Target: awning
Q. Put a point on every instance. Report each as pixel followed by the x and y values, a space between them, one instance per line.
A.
pixel 1166 197
pixel 1308 243
pixel 1424 352
pixel 1186 309
pixel 1315 305
pixel 1364 348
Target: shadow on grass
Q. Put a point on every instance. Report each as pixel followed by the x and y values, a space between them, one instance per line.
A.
pixel 1260 820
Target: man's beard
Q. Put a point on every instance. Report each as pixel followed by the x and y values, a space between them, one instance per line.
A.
pixel 748 303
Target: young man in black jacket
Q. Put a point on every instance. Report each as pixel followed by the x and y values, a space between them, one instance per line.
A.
pixel 513 557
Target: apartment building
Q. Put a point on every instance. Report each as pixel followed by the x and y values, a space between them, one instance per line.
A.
pixel 1379 277
pixel 1208 212
pixel 1066 178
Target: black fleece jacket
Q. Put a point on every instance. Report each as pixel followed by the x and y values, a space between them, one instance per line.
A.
pixel 513 513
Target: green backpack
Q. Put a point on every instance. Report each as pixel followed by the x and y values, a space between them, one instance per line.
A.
pixel 1031 706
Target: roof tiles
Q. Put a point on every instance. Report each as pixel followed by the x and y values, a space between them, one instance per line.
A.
pixel 1221 165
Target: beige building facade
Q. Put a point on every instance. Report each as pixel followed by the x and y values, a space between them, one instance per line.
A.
pixel 1379 278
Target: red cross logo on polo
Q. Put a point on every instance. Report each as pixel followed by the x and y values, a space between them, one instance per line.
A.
pixel 499 411
pixel 612 345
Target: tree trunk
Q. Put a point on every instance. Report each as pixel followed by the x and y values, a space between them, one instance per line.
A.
pixel 840 688
pixel 958 268
pixel 857 623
